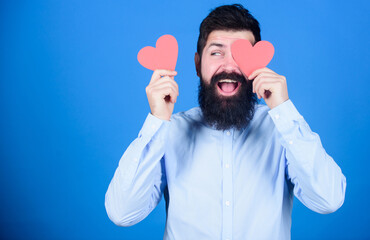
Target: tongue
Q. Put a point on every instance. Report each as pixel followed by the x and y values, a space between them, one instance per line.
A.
pixel 227 87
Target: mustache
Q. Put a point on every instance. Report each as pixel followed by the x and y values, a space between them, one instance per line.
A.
pixel 232 76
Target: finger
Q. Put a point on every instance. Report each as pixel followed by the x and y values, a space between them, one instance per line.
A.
pixel 167 91
pixel 258 71
pixel 165 84
pixel 157 74
pixel 263 81
pixel 165 80
pixel 264 75
pixel 261 78
pixel 267 86
pixel 154 90
pixel 260 83
pixel 264 87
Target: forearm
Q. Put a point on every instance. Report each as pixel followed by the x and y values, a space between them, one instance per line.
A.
pixel 137 185
pixel 318 181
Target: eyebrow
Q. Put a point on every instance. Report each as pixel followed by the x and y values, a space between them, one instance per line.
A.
pixel 216 44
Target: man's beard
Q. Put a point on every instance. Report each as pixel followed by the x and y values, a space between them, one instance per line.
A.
pixel 225 112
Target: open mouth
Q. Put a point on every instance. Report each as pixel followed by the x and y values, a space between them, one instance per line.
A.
pixel 228 87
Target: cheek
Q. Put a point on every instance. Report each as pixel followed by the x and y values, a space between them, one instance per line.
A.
pixel 209 67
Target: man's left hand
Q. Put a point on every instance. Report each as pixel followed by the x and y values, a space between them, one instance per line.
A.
pixel 270 86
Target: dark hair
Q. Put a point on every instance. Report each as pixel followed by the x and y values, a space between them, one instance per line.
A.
pixel 227 17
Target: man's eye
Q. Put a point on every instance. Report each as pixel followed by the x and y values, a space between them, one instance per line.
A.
pixel 216 54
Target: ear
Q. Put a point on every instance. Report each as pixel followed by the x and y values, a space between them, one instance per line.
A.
pixel 197 63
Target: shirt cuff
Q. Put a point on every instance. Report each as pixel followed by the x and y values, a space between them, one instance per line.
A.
pixel 285 115
pixel 152 125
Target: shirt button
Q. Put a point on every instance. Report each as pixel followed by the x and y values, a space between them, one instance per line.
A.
pixel 135 159
pixel 227 203
pixel 228 133
pixel 290 142
pixel 277 116
pixel 227 165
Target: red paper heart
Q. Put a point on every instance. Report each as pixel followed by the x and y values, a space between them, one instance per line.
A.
pixel 250 58
pixel 163 56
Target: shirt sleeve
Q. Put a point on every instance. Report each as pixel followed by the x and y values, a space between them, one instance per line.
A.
pixel 138 182
pixel 318 181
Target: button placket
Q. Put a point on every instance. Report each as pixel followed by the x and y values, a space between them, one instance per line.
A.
pixel 227 185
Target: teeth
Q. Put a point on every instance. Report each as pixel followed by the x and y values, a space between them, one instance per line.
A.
pixel 228 80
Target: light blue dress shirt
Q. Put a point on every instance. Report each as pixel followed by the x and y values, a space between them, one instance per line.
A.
pixel 225 184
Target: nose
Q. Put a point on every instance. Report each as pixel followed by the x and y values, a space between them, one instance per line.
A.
pixel 229 65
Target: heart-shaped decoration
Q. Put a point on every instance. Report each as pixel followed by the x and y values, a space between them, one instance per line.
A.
pixel 163 56
pixel 250 58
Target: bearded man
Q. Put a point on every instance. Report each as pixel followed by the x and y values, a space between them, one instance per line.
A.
pixel 230 168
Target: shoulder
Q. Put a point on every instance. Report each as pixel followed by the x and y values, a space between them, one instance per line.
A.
pixel 261 111
pixel 184 124
pixel 191 116
pixel 261 119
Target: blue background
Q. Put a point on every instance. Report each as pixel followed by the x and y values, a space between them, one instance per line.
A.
pixel 73 98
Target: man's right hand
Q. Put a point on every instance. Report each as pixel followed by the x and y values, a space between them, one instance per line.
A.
pixel 162 93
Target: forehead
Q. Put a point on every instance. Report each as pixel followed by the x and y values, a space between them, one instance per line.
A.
pixel 227 37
